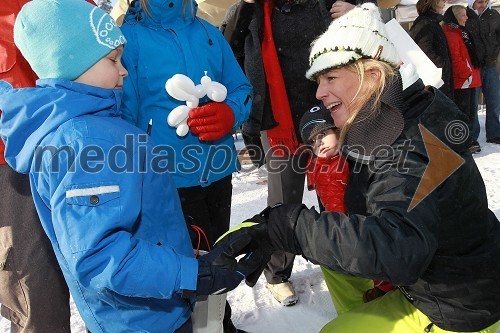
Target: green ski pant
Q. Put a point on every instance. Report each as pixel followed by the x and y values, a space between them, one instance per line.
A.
pixel 391 313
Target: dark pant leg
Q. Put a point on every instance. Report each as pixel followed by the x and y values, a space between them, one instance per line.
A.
pixel 195 212
pixel 491 92
pixel 209 208
pixel 219 206
pixel 476 127
pixel 279 268
pixel 33 292
pixel 219 203
pixel 286 176
pixel 464 99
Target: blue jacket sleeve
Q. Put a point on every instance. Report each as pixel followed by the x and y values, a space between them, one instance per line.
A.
pixel 108 242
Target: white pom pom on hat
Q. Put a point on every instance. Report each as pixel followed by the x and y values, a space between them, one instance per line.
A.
pixel 359 34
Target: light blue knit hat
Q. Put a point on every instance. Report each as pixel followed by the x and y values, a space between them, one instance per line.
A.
pixel 63 38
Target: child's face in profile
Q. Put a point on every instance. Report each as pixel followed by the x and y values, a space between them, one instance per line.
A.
pixel 326 144
pixel 106 73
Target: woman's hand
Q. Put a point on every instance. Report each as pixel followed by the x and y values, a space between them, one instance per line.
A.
pixel 339 8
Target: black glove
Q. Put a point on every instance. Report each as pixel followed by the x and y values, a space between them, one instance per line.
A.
pixel 271 230
pixel 218 270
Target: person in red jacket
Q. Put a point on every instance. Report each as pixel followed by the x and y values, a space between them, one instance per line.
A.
pixel 466 74
pixel 328 173
pixel 33 294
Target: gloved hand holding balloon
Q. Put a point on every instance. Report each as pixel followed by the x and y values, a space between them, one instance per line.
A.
pixel 183 88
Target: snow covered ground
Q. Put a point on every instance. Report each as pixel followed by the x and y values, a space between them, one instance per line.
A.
pixel 254 309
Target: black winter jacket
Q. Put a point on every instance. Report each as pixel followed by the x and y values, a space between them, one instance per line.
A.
pixel 490 30
pixel 429 36
pixel 473 28
pixel 293 33
pixel 444 253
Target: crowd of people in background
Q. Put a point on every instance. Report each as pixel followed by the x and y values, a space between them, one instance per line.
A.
pixel 277 60
pixel 465 46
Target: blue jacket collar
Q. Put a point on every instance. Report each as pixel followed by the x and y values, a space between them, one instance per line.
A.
pixel 30 114
pixel 168 14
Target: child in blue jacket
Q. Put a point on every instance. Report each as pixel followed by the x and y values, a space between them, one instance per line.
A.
pixel 124 250
pixel 166 38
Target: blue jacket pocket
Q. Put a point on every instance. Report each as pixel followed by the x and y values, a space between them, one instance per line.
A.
pixel 93 213
pixel 92 196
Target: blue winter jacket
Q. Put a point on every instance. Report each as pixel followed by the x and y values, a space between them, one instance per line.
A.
pixel 164 44
pixel 123 248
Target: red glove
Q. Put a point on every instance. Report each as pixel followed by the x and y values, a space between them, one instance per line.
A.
pixel 211 121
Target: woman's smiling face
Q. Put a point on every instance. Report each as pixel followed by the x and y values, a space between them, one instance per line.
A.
pixel 337 89
pixel 461 17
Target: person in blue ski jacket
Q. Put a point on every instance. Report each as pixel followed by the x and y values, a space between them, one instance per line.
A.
pixel 165 38
pixel 124 250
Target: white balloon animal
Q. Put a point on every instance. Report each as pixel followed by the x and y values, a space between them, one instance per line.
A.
pixel 183 88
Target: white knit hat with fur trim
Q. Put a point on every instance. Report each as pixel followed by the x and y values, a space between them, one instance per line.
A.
pixel 358 34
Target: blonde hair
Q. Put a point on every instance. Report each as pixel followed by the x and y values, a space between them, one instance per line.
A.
pixel 145 4
pixel 367 89
pixel 456 10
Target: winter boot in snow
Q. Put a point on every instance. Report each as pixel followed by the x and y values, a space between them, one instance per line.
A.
pixel 283 292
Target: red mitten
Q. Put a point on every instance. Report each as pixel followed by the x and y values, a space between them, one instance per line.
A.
pixel 211 121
